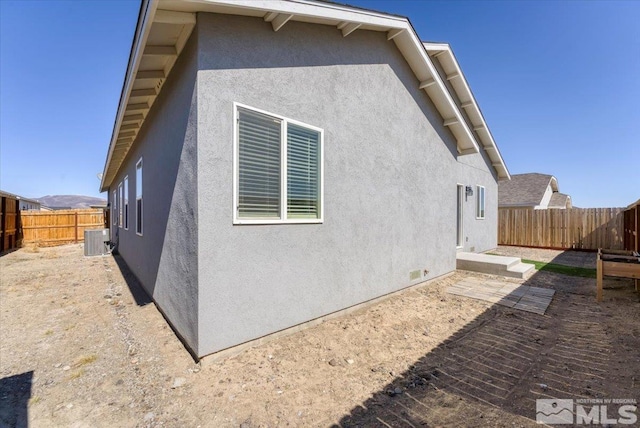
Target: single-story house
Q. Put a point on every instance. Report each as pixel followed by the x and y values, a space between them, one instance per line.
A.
pixel 29 204
pixel 532 190
pixel 275 162
pixel 24 204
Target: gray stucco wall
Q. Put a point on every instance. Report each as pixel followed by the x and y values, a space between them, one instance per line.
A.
pixel 390 178
pixel 479 234
pixel 165 258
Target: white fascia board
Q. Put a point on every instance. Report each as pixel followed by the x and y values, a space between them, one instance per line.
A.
pixel 443 47
pixel 310 8
pixel 421 52
pixel 144 27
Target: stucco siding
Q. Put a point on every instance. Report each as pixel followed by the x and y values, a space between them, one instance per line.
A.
pixel 164 258
pixel 479 234
pixel 390 178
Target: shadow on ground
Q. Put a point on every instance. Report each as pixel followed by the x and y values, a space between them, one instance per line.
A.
pixel 139 294
pixel 491 371
pixel 15 392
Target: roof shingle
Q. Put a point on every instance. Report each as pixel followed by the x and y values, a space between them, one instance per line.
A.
pixel 523 189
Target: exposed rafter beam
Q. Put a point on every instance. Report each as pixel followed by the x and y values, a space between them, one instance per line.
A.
pixel 467 104
pixel 437 54
pixel 427 83
pixel 150 74
pixel 143 92
pixel 133 117
pixel 349 28
pixel 478 128
pixel 453 75
pixel 130 126
pixel 126 134
pixel 394 33
pixel 449 122
pixel 171 17
pixel 160 50
pixel 277 19
pixel 468 151
pixel 124 140
pixel 138 106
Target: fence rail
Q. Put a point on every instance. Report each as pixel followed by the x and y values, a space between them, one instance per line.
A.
pixel 579 228
pixel 47 228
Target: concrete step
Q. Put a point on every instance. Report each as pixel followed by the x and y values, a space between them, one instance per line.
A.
pixel 521 270
pixel 494 265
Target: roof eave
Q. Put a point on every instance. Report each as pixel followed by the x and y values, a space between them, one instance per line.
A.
pixel 145 16
pixel 481 129
pixel 279 12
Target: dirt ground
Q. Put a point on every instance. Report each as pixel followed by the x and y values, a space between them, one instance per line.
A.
pixel 81 346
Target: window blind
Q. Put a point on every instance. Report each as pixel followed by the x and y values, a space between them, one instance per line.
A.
pixel 302 172
pixel 259 161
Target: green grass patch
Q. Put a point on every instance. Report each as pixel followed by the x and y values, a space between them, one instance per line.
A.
pixel 562 269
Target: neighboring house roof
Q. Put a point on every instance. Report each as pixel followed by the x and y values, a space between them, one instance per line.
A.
pixel 525 189
pixel 165 25
pixel 22 198
pixel 633 205
pixel 560 200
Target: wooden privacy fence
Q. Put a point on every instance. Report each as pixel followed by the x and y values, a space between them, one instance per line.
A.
pixel 9 222
pixel 579 228
pixel 48 228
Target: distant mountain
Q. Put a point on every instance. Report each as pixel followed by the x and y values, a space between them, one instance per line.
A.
pixel 73 201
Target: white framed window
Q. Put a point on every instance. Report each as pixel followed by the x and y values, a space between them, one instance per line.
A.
pixel 278 169
pixel 139 216
pixel 479 202
pixel 120 204
pixel 114 206
pixel 126 202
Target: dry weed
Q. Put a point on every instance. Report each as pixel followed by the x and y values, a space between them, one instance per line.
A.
pixel 85 359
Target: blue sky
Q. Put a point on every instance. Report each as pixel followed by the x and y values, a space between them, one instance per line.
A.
pixel 558 83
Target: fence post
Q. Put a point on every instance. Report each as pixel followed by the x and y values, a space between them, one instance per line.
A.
pixel 76 226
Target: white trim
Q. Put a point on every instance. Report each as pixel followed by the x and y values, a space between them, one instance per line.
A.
pixel 120 205
pixel 126 203
pixel 442 48
pixel 303 8
pixel 177 18
pixel 283 170
pixel 114 206
pixel 431 69
pixel 284 173
pixel 398 29
pixel 145 21
pixel 141 198
pixel 484 202
pixel 460 203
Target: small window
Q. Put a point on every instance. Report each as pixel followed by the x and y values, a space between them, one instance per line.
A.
pixel 480 202
pixel 114 206
pixel 126 202
pixel 139 216
pixel 278 166
pixel 120 205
